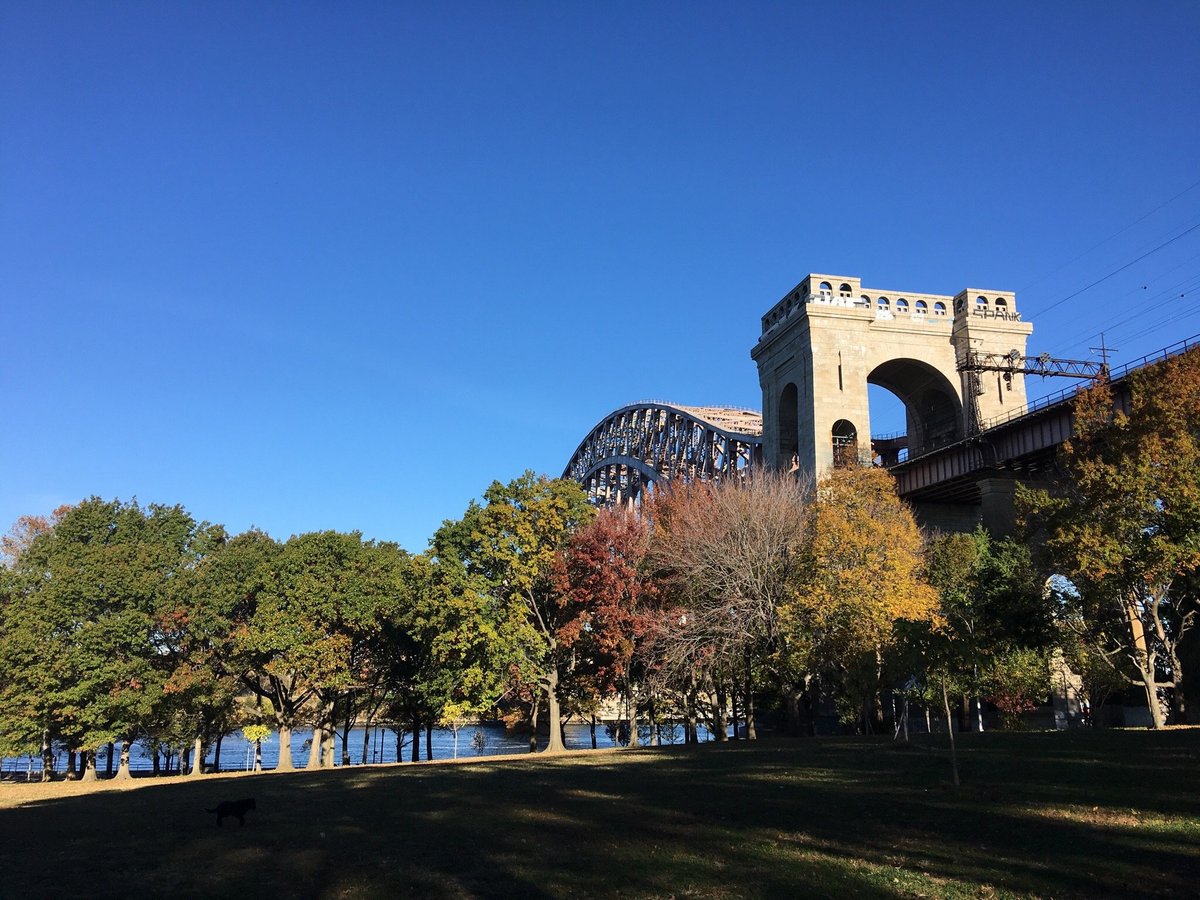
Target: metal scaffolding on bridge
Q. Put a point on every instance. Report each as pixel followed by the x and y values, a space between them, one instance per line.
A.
pixel 973 362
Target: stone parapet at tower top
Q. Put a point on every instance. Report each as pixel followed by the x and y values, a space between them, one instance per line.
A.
pixel 829 337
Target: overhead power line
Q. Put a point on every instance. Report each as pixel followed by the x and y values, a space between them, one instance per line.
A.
pixel 1120 269
pixel 1138 221
pixel 1164 298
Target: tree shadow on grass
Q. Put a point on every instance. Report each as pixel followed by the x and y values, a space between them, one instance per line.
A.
pixel 848 817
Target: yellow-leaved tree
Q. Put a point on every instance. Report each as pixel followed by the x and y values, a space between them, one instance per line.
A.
pixel 861 576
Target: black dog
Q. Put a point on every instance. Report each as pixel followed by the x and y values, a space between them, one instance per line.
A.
pixel 232 808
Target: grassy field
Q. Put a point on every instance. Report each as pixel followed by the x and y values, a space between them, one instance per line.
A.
pixel 1076 814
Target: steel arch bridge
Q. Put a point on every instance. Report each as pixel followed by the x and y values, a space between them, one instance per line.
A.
pixel 647 442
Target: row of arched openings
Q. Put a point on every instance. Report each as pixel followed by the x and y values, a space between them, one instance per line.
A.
pixel 982 304
pixel 920 308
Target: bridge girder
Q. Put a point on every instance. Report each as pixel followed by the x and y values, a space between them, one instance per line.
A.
pixel 645 443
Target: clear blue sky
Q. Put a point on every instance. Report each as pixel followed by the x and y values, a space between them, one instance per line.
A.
pixel 315 266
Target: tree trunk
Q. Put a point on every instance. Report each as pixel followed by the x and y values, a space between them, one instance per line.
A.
pixel 1144 659
pixel 198 757
pixel 108 765
pixel 720 725
pixel 1157 721
pixel 89 765
pixel 316 745
pixel 593 731
pixel 792 720
pixel 964 719
pixel 156 763
pixel 654 739
pixel 631 713
pixel 416 739
pixel 751 733
pixel 123 771
pixel 366 742
pixel 811 700
pixel 950 731
pixel 556 744
pixel 327 747
pixel 47 756
pixel 348 723
pixel 72 775
pixel 693 724
pixel 429 740
pixel 258 756
pixel 217 754
pixel 285 763
pixel 733 711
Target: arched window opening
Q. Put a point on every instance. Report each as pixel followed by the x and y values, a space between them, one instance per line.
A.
pixel 845 290
pixel 1001 305
pixel 922 308
pixel 981 304
pixel 959 304
pixel 883 303
pixel 901 305
pixel 845 444
pixel 789 429
pixel 939 309
pixel 826 287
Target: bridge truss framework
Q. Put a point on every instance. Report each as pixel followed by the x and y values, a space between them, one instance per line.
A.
pixel 651 441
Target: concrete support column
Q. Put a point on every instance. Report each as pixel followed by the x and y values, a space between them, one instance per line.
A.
pixel 997 507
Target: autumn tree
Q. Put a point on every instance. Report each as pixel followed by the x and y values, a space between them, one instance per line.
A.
pixel 1125 526
pixel 513 542
pixel 730 553
pixel 860 576
pixel 23 532
pixel 600 574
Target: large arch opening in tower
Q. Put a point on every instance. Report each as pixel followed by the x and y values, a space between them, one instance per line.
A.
pixel 932 409
pixel 789 427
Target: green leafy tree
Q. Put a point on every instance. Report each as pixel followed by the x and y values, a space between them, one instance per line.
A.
pixel 513 542
pixel 219 652
pixel 311 641
pixel 1125 528
pixel 993 606
pixel 83 651
pixel 447 647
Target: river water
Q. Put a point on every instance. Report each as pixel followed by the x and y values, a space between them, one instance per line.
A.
pixel 486 739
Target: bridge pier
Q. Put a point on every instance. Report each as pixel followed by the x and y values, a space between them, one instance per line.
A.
pixel 948 517
pixel 997 504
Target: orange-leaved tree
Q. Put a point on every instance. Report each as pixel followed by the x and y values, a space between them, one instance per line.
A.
pixel 600 574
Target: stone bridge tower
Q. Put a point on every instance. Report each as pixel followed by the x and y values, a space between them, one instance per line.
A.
pixel 829 337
